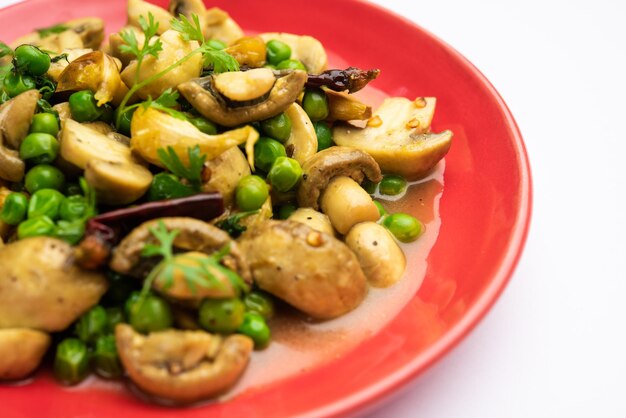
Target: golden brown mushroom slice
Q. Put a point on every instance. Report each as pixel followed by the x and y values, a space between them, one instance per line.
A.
pixel 21 351
pixel 152 129
pixel 116 41
pixel 219 25
pixel 344 106
pixel 174 48
pixel 87 32
pixel 402 142
pixel 42 288
pixel 302 142
pixel 110 168
pixel 15 118
pixel 234 98
pixel 56 68
pixel 193 235
pixel 222 174
pixel 305 48
pixel 312 271
pixel 95 71
pixel 182 366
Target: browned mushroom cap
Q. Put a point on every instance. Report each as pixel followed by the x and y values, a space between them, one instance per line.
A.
pixel 21 351
pixel 15 118
pixel 182 366
pixel 332 162
pixel 41 286
pixel 194 235
pixel 310 270
pixel 211 98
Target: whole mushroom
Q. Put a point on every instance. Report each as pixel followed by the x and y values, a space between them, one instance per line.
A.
pixel 21 351
pixel 331 180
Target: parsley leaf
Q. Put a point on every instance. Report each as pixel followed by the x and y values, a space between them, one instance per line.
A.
pixel 170 159
pixel 220 60
pixel 188 31
pixel 52 30
pixel 168 98
pixel 232 225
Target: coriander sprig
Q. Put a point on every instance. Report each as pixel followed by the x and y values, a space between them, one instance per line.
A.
pixel 193 174
pixel 200 273
pixel 221 61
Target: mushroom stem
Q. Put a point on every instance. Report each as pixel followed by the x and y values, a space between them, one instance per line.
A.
pixel 347 204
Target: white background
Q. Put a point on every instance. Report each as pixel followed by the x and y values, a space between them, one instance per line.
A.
pixel 554 345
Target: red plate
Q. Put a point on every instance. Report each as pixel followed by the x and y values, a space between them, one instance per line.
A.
pixel 485 210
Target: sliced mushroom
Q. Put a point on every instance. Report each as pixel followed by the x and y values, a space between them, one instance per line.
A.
pixel 109 165
pixel 138 8
pixel 402 143
pixel 52 291
pixel 219 25
pixel 332 162
pixel 206 98
pixel 314 219
pixel 244 86
pixel 85 32
pixel 310 270
pixel 63 109
pixel 302 142
pixel 95 71
pixel 222 174
pixel 182 366
pixel 15 118
pixel 194 235
pixel 343 106
pixel 265 212
pixel 116 41
pixel 305 48
pixel 21 351
pixel 56 68
pixel 153 129
pixel 187 8
pixel 174 48
pixel 382 260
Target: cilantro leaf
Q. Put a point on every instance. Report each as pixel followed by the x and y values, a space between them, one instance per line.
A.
pixel 165 239
pixel 168 98
pixel 170 159
pixel 52 30
pixel 188 31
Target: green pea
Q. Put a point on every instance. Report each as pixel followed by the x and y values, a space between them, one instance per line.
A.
pixel 392 185
pixel 284 174
pixel 221 315
pixel 73 208
pixel 71 361
pixel 290 64
pixel 286 210
pixel 251 193
pixel 115 315
pixel 120 288
pixel 39 148
pixel 381 209
pixel 14 208
pixel 106 360
pixel 259 302
pixel 84 107
pixel 92 324
pixel 45 123
pixel 44 176
pixel 32 60
pixel 204 125
pixel 16 84
pixel 45 202
pixel 369 186
pixel 149 314
pixel 123 123
pixel 216 44
pixel 167 186
pixel 315 104
pixel 277 51
pixel 35 227
pixel 324 135
pixel 255 327
pixel 70 232
pixel 277 127
pixel 266 151
pixel 404 227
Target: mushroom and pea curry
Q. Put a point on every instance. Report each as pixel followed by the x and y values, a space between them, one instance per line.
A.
pixel 165 193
